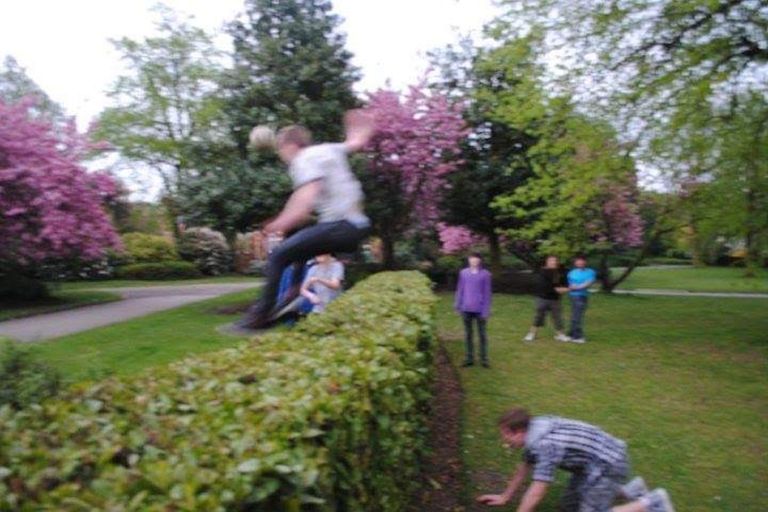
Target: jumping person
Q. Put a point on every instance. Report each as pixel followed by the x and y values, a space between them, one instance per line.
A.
pixel 551 283
pixel 598 463
pixel 473 303
pixel 322 182
pixel 579 281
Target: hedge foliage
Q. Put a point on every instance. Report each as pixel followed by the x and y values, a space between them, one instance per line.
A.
pixel 328 416
pixel 23 380
pixel 159 271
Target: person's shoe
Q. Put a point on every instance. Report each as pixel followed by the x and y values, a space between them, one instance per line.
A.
pixel 635 488
pixel 563 337
pixel 486 364
pixel 467 364
pixel 658 501
pixel 529 337
pixel 290 307
pixel 578 340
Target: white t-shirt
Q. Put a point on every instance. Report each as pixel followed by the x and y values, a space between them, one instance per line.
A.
pixel 341 197
pixel 331 270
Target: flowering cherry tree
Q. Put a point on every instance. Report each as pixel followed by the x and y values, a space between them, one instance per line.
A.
pixel 51 208
pixel 455 239
pixel 415 147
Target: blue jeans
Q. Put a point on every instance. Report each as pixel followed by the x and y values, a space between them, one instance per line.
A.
pixel 578 308
pixel 322 238
pixel 469 342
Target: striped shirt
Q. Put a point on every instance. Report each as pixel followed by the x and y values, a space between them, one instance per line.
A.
pixel 574 446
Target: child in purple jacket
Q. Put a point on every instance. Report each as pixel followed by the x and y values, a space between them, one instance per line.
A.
pixel 473 302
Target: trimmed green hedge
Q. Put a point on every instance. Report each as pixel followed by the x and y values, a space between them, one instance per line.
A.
pixel 159 271
pixel 328 416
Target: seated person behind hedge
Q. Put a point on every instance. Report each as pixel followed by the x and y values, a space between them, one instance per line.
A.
pixel 323 282
pixel 473 303
pixel 551 282
pixel 597 460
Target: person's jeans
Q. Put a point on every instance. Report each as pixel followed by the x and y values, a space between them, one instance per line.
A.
pixel 322 238
pixel 470 346
pixel 578 308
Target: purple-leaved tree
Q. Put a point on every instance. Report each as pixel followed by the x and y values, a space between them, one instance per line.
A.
pixel 416 146
pixel 51 208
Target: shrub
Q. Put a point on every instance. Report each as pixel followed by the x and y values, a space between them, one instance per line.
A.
pixel 328 416
pixel 24 381
pixel 206 248
pixel 18 287
pixel 159 271
pixel 143 248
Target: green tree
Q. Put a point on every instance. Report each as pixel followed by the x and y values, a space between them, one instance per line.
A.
pixel 494 156
pixel 290 66
pixel 230 194
pixel 730 173
pixel 684 77
pixel 167 104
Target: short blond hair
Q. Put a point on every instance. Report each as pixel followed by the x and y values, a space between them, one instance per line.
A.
pixel 294 134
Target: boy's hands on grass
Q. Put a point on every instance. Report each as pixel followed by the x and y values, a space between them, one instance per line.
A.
pixel 493 500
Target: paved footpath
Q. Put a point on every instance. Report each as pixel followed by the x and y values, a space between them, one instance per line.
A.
pixel 683 293
pixel 139 301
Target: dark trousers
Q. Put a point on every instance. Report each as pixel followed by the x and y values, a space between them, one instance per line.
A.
pixel 322 238
pixel 551 305
pixel 578 308
pixel 469 318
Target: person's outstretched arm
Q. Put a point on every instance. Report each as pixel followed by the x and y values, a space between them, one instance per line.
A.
pixel 533 496
pixel 497 500
pixel 359 127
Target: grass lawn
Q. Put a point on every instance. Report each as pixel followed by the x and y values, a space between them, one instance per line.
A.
pixel 124 283
pixel 58 301
pixel 131 346
pixel 693 279
pixel 683 380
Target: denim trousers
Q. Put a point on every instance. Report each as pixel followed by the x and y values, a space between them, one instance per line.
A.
pixel 578 308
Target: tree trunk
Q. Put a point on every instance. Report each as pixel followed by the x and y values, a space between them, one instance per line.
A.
pixel 388 252
pixel 608 287
pixel 604 273
pixel 751 236
pixel 495 249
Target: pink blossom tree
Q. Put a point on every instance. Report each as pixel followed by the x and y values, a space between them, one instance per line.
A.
pixel 51 208
pixel 416 146
pixel 456 239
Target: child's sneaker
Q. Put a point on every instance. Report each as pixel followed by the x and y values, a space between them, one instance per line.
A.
pixel 635 488
pixel 658 501
pixel 578 340
pixel 562 337
pixel 529 337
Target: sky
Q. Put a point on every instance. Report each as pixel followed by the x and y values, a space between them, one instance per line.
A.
pixel 64 44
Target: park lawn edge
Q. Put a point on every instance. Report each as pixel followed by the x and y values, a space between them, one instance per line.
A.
pixel 86 298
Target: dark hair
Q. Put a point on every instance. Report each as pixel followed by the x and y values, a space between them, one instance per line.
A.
pixel 515 420
pixel 476 255
pixel 580 257
pixel 294 134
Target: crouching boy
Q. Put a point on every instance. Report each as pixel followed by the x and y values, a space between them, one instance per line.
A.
pixel 598 463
